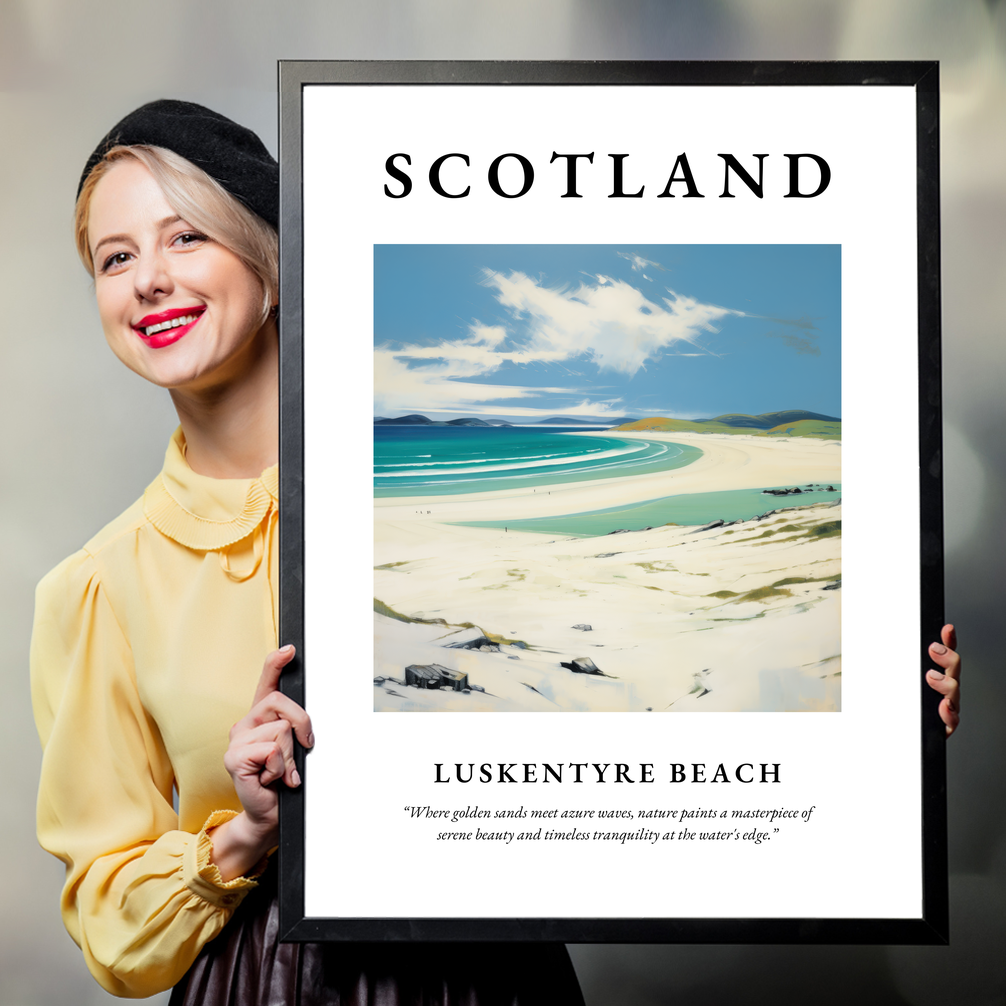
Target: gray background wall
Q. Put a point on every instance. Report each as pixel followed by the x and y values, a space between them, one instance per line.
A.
pixel 82 437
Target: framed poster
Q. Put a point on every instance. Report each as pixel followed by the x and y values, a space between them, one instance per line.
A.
pixel 620 385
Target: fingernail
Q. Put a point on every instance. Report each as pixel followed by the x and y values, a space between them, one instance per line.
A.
pixel 938 648
pixel 310 740
pixel 936 676
pixel 287 649
pixel 295 777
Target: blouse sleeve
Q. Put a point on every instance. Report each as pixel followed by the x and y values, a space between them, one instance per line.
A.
pixel 141 898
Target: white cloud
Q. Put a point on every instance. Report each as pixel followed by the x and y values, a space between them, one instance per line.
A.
pixel 486 335
pixel 606 322
pixel 639 263
pixel 612 323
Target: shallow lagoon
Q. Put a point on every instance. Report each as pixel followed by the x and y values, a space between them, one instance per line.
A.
pixel 691 508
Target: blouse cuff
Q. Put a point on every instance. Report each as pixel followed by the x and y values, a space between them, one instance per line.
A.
pixel 202 876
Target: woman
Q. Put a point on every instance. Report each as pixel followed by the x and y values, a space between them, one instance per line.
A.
pixel 149 642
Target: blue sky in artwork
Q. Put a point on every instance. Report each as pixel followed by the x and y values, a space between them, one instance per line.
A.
pixel 526 332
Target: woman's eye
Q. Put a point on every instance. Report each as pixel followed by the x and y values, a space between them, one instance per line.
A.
pixel 190 238
pixel 114 261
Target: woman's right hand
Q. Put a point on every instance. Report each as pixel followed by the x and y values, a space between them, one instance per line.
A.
pixel 259 754
pixel 948 681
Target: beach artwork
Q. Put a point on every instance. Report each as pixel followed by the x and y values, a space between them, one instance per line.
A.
pixel 607 478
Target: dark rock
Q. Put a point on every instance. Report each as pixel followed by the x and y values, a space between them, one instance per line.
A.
pixel 378 680
pixel 606 555
pixel 453 679
pixel 469 639
pixel 837 585
pixel 513 657
pixel 582 665
pixel 583 627
pixel 422 676
pixel 710 526
pixel 435 676
pixel 476 688
pixel 519 644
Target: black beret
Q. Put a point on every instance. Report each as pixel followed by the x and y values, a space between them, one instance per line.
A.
pixel 231 154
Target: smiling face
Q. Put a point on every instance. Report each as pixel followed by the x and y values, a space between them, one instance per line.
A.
pixel 177 307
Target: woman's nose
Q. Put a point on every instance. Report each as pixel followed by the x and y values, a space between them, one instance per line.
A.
pixel 152 277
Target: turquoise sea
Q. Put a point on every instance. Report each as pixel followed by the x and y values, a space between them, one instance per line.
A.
pixel 436 461
pixel 443 460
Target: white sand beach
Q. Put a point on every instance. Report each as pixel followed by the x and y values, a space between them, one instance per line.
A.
pixel 727 462
pixel 744 616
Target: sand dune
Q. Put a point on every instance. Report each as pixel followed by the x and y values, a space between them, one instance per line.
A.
pixel 739 617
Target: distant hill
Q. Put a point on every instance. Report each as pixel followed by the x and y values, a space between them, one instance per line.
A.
pixel 417 420
pixel 793 423
pixel 413 420
pixel 828 430
pixel 567 421
pixel 769 420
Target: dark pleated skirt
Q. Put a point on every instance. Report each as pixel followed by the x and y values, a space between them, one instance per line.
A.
pixel 246 965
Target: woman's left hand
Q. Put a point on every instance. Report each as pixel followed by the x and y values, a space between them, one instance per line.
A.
pixel 260 754
pixel 948 681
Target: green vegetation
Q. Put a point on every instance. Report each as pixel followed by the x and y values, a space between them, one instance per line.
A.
pixel 823 529
pixel 776 589
pixel 808 428
pixel 829 529
pixel 494 637
pixel 771 424
pixel 763 594
pixel 385 609
pixel 660 566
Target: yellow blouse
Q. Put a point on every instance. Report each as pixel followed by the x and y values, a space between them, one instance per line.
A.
pixel 147 647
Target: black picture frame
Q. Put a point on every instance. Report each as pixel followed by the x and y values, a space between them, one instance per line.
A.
pixel 931 927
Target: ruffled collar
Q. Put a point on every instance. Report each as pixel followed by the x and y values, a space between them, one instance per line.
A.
pixel 203 513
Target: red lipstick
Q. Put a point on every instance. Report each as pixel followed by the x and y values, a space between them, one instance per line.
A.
pixel 166 327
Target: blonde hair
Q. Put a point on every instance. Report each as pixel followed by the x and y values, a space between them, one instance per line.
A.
pixel 199 200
